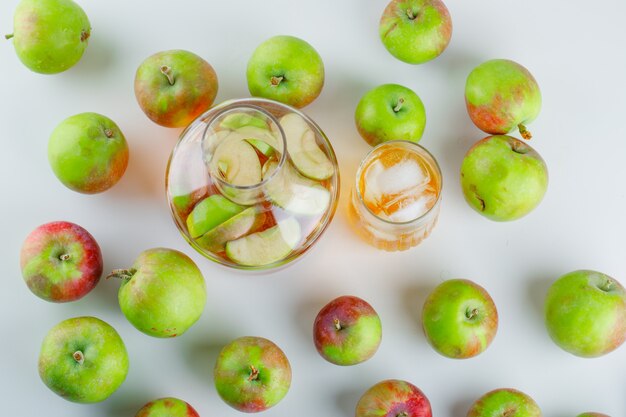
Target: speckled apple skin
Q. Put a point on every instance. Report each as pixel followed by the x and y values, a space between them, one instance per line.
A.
pixel 505 402
pixel 393 398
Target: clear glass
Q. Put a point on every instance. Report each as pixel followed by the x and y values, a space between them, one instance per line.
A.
pixel 397 195
pixel 252 184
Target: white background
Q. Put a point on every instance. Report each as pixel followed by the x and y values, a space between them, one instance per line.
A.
pixel 575 50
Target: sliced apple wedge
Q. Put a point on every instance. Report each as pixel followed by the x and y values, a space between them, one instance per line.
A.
pixel 266 247
pixel 237 161
pixel 238 120
pixel 234 228
pixel 306 154
pixel 209 213
pixel 294 193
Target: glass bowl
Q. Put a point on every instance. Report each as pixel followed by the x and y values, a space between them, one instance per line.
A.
pixel 252 184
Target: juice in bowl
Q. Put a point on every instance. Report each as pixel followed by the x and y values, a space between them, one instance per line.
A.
pixel 252 184
pixel 395 202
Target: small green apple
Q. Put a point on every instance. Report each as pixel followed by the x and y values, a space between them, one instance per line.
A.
pixel 393 398
pixel 50 36
pixel 83 360
pixel 167 407
pixel 174 87
pixel 286 69
pixel 252 374
pixel 163 294
pixel 503 178
pixel 505 402
pixel 416 31
pixel 390 112
pixel 459 319
pixel 585 313
pixel 88 153
pixel 593 415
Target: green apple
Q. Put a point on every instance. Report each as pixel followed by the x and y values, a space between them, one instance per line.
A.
pixel 306 154
pixel 415 31
pixel 237 226
pixel 286 69
pixel 502 96
pixel 163 294
pixel 393 398
pixel 88 153
pixel 390 112
pixel 174 87
pixel 252 374
pixel 167 407
pixel 266 247
pixel 592 415
pixel 585 313
pixel 347 331
pixel 503 178
pixel 459 319
pixel 210 213
pixel 50 36
pixel 505 402
pixel 294 193
pixel 83 360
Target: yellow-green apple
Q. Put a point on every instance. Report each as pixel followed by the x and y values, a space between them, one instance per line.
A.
pixel 83 360
pixel 50 36
pixel 593 415
pixel 163 294
pixel 585 313
pixel 286 69
pixel 347 331
pixel 459 319
pixel 393 398
pixel 252 374
pixel 60 262
pixel 503 178
pixel 88 153
pixel 501 96
pixel 415 31
pixel 167 407
pixel 174 87
pixel 390 112
pixel 504 402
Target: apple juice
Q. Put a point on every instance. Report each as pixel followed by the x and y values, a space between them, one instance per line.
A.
pixel 395 202
pixel 252 184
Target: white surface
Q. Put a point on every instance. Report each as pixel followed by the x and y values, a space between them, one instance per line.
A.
pixel 574 49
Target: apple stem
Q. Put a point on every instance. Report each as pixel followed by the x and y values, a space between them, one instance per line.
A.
pixel 337 324
pixel 65 257
pixel 470 314
pixel 276 80
pixel 607 286
pixel 125 274
pixel 254 374
pixel 524 132
pixel 9 36
pixel 79 357
pixel 167 71
pixel 399 105
pixel 410 14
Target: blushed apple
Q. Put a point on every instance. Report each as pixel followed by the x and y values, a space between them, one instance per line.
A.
pixel 460 319
pixel 592 415
pixel 88 153
pixel 252 374
pixel 416 31
pixel 504 402
pixel 50 36
pixel 503 178
pixel 60 262
pixel 393 398
pixel 286 69
pixel 174 87
pixel 83 360
pixel 167 407
pixel 501 96
pixel 585 313
pixel 390 112
pixel 347 331
pixel 163 294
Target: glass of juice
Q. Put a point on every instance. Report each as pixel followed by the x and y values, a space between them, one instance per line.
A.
pixel 252 184
pixel 395 202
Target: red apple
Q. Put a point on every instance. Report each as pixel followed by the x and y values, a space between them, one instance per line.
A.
pixel 393 398
pixel 60 262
